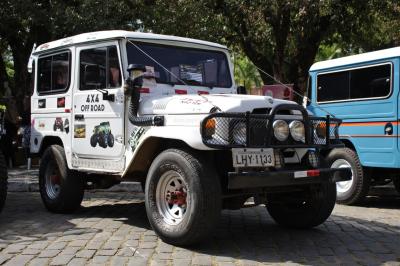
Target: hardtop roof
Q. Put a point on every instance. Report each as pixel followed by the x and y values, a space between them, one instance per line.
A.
pixel 118 34
pixel 354 59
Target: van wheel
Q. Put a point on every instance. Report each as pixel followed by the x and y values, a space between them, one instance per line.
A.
pixel 396 183
pixel 3 181
pixel 304 209
pixel 352 191
pixel 183 197
pixel 60 188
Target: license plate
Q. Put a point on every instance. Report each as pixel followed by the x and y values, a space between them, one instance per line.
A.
pixel 253 157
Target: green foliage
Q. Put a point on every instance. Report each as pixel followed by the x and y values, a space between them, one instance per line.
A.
pixel 283 37
pixel 246 73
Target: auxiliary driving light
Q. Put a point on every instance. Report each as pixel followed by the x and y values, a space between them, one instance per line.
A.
pixel 239 133
pixel 281 130
pixel 297 130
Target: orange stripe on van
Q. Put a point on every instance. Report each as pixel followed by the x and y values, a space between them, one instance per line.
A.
pixel 369 136
pixel 365 124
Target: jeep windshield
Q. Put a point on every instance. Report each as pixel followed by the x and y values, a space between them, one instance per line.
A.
pixel 185 65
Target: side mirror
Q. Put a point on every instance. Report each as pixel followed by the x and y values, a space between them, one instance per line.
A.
pixel 241 90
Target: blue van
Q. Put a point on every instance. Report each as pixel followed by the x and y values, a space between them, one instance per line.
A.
pixel 363 91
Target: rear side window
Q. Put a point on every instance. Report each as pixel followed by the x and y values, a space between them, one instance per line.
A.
pixel 54 73
pixel 99 68
pixel 355 84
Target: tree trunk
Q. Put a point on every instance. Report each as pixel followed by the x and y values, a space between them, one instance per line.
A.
pixel 3 74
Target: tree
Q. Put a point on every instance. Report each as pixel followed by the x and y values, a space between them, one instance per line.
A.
pixel 280 36
pixel 23 23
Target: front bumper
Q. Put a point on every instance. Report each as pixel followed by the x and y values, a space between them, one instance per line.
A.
pixel 285 178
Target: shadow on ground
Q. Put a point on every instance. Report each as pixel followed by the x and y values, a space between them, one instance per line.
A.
pixel 249 235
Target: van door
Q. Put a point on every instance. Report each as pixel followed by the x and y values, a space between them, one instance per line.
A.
pixel 98 109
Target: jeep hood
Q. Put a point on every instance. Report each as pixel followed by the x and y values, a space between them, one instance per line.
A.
pixel 204 104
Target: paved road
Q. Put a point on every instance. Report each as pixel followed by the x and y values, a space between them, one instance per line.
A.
pixel 112 229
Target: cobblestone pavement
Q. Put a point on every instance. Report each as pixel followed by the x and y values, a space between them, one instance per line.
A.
pixel 112 229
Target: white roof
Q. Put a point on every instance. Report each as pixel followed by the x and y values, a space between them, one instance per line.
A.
pixel 354 59
pixel 119 34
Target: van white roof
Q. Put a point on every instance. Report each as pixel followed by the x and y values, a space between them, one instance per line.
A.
pixel 354 59
pixel 118 34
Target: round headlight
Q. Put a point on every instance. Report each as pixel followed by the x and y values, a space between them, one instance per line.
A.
pixel 297 130
pixel 281 130
pixel 239 134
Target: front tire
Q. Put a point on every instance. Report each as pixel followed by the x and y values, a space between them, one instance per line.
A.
pixel 304 209
pixel 352 191
pixel 183 197
pixel 60 188
pixel 3 181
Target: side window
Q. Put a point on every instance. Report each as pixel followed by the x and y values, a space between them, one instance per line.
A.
pixel 53 73
pixel 333 86
pixel 99 68
pixel 370 82
pixel 355 84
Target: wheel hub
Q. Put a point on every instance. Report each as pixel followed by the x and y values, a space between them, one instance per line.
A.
pixel 53 182
pixel 177 197
pixel 343 186
pixel 172 197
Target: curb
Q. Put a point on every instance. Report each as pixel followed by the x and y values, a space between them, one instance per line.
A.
pixel 22 180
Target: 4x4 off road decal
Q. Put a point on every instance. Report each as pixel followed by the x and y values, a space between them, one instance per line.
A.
pixel 66 125
pixel 102 135
pixel 135 136
pixel 93 104
pixel 80 131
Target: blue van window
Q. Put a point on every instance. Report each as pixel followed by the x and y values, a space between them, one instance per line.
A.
pixel 355 84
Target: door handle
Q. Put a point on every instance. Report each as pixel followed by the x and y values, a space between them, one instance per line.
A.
pixel 389 129
pixel 79 117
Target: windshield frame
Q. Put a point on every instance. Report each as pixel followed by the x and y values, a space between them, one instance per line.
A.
pixel 178 47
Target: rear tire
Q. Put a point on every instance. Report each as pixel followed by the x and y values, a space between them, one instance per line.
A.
pixel 305 209
pixel 60 188
pixel 183 197
pixel 3 181
pixel 355 190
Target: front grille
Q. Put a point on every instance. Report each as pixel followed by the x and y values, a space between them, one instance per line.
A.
pixel 255 131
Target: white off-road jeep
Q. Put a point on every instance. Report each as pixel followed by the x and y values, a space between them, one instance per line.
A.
pixel 164 110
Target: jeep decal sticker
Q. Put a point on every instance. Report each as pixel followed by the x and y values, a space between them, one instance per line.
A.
pixel 137 132
pixel 41 124
pixel 61 102
pixel 66 125
pixel 42 103
pixel 102 136
pixel 58 124
pixel 80 131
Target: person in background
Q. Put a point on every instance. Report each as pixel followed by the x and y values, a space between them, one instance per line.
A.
pixel 115 75
pixel 26 136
